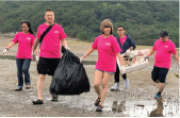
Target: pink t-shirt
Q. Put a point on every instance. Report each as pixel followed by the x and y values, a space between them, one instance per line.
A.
pixel 25 43
pixel 107 50
pixel 123 39
pixel 163 53
pixel 50 46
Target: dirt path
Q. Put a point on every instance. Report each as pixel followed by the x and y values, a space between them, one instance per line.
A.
pixel 142 91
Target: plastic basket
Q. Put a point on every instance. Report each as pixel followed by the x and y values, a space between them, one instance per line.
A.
pixel 138 64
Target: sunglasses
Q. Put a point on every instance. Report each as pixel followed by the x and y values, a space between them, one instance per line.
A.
pixel 120 30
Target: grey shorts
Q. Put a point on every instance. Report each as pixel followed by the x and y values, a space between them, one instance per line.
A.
pixel 105 71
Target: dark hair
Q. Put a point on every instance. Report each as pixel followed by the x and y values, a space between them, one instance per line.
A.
pixel 48 10
pixel 29 26
pixel 121 26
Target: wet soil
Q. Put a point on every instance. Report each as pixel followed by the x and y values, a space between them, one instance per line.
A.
pixel 138 100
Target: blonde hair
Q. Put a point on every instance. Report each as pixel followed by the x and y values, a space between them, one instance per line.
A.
pixel 106 23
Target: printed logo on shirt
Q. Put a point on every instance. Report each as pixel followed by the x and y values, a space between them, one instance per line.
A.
pixel 56 32
pixel 166 46
pixel 28 38
pixel 108 44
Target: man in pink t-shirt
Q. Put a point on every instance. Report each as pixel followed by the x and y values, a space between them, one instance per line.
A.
pixel 164 48
pixel 50 53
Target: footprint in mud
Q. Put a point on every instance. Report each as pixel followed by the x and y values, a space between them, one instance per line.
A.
pixel 119 108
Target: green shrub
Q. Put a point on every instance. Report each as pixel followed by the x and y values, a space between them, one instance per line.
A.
pixel 83 36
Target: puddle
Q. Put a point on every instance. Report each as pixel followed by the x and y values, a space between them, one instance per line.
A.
pixel 137 101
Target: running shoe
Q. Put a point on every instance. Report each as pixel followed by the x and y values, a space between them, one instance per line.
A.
pixel 37 102
pixel 54 98
pixel 18 89
pixel 97 102
pixel 99 108
pixel 158 96
pixel 126 83
pixel 115 87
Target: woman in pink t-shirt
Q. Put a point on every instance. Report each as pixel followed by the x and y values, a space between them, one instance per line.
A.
pixel 108 49
pixel 25 40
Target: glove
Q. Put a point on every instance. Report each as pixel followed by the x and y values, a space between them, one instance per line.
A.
pixel 146 57
pixel 81 59
pixel 4 51
pixel 66 47
pixel 37 59
pixel 128 52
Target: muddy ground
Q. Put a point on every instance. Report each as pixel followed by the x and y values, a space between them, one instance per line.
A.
pixel 138 100
pixel 141 92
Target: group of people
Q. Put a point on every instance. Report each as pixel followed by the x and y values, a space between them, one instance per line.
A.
pixel 108 48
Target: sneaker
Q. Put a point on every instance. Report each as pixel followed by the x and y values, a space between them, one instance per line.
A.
pixel 99 108
pixel 54 98
pixel 126 83
pixel 97 101
pixel 158 96
pixel 18 89
pixel 37 102
pixel 115 87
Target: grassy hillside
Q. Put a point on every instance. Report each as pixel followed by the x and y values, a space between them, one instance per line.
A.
pixel 143 20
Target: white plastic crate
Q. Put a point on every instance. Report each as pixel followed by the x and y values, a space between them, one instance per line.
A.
pixel 139 64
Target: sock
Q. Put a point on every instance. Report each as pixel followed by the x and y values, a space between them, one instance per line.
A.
pixel 159 93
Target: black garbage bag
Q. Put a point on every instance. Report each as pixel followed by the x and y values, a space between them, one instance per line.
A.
pixel 70 76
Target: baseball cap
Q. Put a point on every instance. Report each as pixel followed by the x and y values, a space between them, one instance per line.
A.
pixel 163 33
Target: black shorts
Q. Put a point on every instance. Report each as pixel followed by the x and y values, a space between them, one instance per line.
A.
pixel 47 66
pixel 159 73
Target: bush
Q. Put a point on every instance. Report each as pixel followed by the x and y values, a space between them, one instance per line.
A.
pixel 83 36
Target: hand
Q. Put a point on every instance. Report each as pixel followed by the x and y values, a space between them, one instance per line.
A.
pixel 4 51
pixel 81 59
pixel 37 59
pixel 128 51
pixel 146 57
pixel 66 47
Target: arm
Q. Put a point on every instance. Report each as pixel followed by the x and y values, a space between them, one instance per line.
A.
pixel 10 45
pixel 36 52
pixel 64 43
pixel 176 57
pixel 133 45
pixel 36 42
pixel 150 52
pixel 89 51
pixel 37 57
pixel 120 58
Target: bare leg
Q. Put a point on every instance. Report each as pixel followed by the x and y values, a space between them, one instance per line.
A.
pixel 157 81
pixel 97 81
pixel 105 82
pixel 161 87
pixel 54 95
pixel 40 86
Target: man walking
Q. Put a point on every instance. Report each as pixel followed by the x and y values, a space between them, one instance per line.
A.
pixel 50 53
pixel 164 47
pixel 125 43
